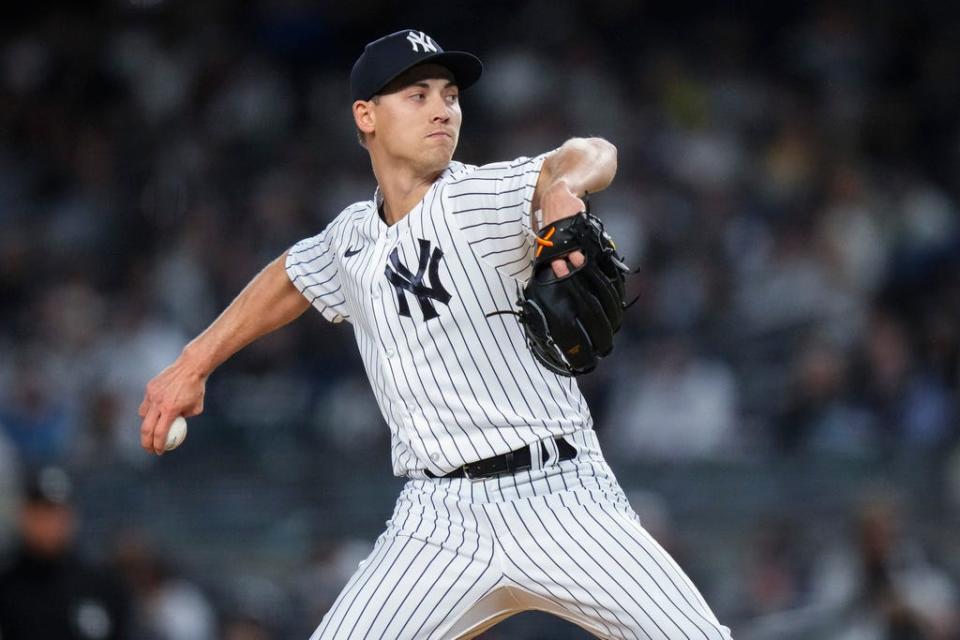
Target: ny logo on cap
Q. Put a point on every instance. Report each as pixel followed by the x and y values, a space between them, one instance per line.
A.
pixel 419 38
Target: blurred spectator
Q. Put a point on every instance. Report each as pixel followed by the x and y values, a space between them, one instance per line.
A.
pixel 885 587
pixel 262 605
pixel 878 584
pixel 137 346
pixel 349 418
pixel 774 578
pixel 952 478
pixel 819 414
pixel 168 606
pixel 10 474
pixel 912 405
pixel 927 219
pixel 675 404
pixel 795 288
pixel 245 628
pixel 48 592
pixel 851 229
pixel 34 413
pixel 320 579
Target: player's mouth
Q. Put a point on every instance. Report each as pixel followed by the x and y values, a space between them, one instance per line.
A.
pixel 440 134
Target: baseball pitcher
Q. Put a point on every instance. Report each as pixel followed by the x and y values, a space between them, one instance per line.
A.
pixel 510 505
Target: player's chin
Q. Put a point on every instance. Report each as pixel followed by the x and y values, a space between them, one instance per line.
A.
pixel 440 144
pixel 438 157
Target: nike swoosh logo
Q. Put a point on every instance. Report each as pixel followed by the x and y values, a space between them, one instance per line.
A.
pixel 352 252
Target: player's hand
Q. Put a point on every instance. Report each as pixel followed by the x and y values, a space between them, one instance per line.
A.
pixel 559 202
pixel 178 390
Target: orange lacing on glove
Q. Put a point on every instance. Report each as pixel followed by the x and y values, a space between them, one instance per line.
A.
pixel 544 241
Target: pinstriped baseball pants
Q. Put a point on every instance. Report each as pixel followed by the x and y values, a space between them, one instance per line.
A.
pixel 458 556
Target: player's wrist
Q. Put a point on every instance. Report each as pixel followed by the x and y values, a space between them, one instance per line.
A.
pixel 197 360
pixel 560 201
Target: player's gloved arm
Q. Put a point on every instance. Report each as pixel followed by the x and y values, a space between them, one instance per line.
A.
pixel 579 166
pixel 267 303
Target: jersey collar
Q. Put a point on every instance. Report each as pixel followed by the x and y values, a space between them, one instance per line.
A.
pixel 452 168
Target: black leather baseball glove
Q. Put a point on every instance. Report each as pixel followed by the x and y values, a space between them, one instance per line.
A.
pixel 570 321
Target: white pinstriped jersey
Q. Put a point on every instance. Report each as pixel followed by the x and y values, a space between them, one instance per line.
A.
pixel 454 385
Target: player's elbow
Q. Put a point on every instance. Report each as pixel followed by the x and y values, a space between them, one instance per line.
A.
pixel 593 146
pixel 608 152
pixel 603 147
pixel 600 154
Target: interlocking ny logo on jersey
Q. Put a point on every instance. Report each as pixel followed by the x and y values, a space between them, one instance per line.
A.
pixel 419 38
pixel 403 281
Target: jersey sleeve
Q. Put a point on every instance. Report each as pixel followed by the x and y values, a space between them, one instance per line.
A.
pixel 491 206
pixel 312 267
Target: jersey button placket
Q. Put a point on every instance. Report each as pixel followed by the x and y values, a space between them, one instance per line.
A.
pixel 390 238
pixel 389 242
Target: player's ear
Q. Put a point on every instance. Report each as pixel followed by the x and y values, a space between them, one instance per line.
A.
pixel 363 115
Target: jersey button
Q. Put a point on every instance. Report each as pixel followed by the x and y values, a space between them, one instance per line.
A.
pixel 391 353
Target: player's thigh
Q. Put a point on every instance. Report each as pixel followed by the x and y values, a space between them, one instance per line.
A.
pixel 410 587
pixel 604 571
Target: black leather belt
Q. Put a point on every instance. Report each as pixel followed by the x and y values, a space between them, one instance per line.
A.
pixel 510 462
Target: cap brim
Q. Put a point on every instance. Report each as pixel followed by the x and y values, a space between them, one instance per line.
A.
pixel 465 67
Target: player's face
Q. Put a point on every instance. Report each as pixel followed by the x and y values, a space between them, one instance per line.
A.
pixel 420 121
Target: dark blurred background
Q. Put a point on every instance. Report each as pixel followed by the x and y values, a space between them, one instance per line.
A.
pixel 781 406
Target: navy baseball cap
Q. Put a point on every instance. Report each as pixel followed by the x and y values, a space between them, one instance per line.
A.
pixel 384 59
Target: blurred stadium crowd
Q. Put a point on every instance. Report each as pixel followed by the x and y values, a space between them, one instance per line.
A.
pixel 788 182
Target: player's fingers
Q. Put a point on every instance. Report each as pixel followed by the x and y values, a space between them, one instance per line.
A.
pixel 147 427
pixel 577 259
pixel 560 268
pixel 195 410
pixel 160 433
pixel 150 396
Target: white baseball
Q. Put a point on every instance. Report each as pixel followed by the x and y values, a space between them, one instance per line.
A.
pixel 177 433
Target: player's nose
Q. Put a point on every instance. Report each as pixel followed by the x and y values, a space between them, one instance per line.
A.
pixel 441 111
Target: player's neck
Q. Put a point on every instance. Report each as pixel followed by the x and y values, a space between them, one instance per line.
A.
pixel 402 191
pixel 402 184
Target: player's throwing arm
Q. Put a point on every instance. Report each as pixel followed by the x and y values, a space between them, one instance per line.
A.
pixel 267 303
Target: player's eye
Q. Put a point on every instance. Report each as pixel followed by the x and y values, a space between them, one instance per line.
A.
pixel 419 95
pixel 453 98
